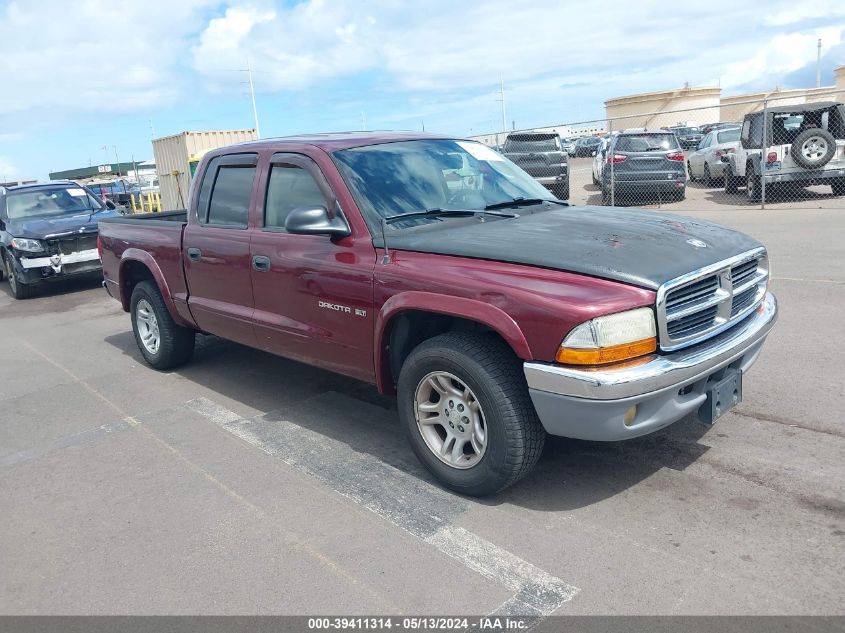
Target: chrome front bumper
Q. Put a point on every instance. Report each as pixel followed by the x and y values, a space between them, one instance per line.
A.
pixel 60 260
pixel 592 403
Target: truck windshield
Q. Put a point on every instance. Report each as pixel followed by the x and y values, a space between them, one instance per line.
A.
pixel 47 202
pixel 411 176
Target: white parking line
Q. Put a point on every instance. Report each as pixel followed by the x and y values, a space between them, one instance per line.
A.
pixel 401 499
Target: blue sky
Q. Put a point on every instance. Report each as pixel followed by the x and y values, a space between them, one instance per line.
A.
pixel 80 76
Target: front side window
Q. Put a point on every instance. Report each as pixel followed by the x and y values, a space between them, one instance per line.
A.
pixel 229 202
pixel 391 179
pixel 289 187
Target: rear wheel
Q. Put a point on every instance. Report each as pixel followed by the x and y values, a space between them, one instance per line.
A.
pixel 464 404
pixel 163 343
pixel 731 181
pixel 708 179
pixel 752 184
pixel 19 289
pixel 689 171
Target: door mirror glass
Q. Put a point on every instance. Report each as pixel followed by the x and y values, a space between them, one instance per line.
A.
pixel 316 221
pixel 111 205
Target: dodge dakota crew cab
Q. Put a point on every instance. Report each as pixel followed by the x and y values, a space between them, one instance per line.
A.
pixel 495 312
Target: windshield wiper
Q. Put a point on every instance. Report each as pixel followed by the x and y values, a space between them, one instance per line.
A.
pixel 522 202
pixel 439 213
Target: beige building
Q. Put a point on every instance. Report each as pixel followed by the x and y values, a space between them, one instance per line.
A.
pixel 665 108
pixel 707 105
pixel 173 156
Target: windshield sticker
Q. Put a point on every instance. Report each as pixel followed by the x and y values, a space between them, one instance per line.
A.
pixel 479 151
pixel 75 191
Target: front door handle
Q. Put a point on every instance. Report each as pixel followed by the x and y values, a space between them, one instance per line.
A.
pixel 261 263
pixel 194 254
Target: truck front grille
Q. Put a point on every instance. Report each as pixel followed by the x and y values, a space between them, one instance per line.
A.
pixel 697 306
pixel 75 244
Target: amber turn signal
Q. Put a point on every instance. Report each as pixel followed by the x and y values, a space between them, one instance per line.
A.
pixel 605 355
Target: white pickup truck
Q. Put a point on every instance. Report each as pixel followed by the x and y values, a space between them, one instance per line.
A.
pixel 804 145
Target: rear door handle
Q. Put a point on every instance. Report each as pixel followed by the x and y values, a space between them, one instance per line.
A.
pixel 194 254
pixel 261 263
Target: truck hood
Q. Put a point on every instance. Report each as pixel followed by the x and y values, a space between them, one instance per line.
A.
pixel 40 228
pixel 632 246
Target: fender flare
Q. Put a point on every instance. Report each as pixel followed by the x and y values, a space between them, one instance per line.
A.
pixel 470 309
pixel 143 257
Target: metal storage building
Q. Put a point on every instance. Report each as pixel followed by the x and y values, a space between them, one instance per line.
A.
pixel 172 157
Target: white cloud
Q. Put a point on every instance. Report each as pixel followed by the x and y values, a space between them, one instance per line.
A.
pixel 7 170
pixel 91 56
pixel 444 46
pixel 781 55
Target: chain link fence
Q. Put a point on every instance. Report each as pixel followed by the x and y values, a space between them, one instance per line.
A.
pixel 781 151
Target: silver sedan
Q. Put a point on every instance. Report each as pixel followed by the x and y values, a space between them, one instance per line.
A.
pixel 705 163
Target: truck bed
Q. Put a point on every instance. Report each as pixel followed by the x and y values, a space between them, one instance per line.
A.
pixel 152 238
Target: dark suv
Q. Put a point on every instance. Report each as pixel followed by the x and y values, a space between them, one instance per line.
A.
pixel 643 164
pixel 48 232
pixel 541 154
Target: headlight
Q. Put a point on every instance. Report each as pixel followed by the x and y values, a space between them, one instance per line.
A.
pixel 24 244
pixel 609 339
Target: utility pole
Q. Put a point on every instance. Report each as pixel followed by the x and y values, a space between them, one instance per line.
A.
pixel 252 94
pixel 116 159
pixel 502 99
pixel 819 64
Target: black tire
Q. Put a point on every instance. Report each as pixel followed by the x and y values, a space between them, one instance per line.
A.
pixel 176 343
pixel 19 290
pixel 708 178
pixel 813 162
pixel 595 180
pixel 492 371
pixel 689 171
pixel 731 182
pixel 561 192
pixel 838 187
pixel 752 184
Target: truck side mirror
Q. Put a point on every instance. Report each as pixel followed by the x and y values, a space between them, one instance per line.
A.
pixel 111 205
pixel 316 221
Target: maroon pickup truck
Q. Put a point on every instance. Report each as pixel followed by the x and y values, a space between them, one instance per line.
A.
pixel 439 271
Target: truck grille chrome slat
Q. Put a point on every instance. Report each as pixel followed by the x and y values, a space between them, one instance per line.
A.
pixel 697 306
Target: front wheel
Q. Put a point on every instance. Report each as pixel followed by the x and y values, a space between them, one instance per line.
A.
pixel 464 404
pixel 163 343
pixel 19 290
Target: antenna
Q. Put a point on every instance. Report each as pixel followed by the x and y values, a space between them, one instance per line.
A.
pixel 386 258
pixel 252 95
pixel 502 99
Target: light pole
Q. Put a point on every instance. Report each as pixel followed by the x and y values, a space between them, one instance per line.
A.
pixel 116 159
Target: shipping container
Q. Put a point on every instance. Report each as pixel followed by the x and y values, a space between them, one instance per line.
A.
pixel 172 159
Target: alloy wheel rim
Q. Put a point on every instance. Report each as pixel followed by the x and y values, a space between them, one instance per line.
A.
pixel 450 420
pixel 147 324
pixel 814 148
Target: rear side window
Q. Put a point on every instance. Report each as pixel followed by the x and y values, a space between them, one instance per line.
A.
pixel 229 202
pixel 290 187
pixel 646 142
